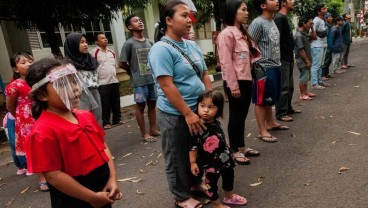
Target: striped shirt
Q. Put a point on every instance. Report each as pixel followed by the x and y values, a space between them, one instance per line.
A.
pixel 267 36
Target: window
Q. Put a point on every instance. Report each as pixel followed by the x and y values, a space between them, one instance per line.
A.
pixel 63 30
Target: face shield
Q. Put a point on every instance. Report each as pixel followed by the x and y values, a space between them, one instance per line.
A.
pixel 69 87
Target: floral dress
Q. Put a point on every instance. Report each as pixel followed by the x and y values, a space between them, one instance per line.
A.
pixel 23 116
pixel 213 151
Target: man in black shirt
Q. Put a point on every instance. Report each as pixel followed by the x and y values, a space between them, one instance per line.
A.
pixel 283 107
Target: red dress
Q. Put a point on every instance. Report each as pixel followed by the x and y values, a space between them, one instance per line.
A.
pixel 23 115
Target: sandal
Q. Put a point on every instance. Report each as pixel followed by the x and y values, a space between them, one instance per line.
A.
pixel 236 200
pixel 285 118
pixel 240 158
pixel 149 139
pixel 305 97
pixel 294 112
pixel 107 126
pixel 251 152
pixel 189 203
pixel 269 138
pixel 156 134
pixel 43 186
pixel 278 127
pixel 118 123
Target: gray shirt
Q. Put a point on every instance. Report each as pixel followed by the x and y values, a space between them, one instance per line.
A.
pixel 266 35
pixel 319 26
pixel 302 42
pixel 135 53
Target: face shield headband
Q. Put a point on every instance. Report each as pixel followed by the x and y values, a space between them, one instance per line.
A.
pixel 70 88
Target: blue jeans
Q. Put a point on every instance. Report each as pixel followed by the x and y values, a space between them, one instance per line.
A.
pixel 19 161
pixel 318 56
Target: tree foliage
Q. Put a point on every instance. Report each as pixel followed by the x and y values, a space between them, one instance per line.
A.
pixel 47 14
pixel 306 7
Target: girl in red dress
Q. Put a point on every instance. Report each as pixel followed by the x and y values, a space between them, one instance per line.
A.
pixel 18 104
pixel 67 145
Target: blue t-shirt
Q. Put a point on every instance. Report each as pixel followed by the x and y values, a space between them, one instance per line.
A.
pixel 165 60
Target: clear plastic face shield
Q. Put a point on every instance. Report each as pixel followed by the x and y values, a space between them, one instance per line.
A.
pixel 70 88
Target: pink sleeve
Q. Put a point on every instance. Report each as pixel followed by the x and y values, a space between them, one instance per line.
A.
pixel 225 45
pixel 5 121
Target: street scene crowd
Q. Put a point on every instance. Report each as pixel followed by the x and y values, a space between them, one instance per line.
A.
pixel 59 110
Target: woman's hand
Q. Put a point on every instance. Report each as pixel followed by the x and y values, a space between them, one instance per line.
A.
pixel 194 123
pixel 235 93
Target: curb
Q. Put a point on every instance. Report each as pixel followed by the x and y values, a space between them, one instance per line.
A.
pixel 128 100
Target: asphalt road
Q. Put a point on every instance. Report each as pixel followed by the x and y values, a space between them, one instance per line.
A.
pixel 300 170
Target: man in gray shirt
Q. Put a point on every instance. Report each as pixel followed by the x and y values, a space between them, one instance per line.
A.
pixel 266 35
pixel 133 59
pixel 319 47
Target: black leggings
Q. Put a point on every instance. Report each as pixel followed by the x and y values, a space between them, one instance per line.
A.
pixel 238 111
pixel 227 175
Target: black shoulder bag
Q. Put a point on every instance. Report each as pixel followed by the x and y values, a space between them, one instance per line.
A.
pixel 195 68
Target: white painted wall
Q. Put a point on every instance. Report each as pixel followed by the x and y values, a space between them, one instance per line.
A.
pixel 206 45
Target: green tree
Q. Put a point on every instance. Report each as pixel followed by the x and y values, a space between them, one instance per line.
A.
pixel 306 7
pixel 47 14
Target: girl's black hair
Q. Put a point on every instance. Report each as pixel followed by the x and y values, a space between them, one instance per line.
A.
pixel 36 72
pixel 217 99
pixel 232 7
pixel 166 10
pixel 15 59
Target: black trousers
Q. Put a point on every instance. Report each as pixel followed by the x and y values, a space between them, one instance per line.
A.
pixel 238 111
pixel 328 61
pixel 110 101
pixel 227 175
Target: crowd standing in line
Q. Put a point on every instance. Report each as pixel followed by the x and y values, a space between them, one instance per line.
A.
pixel 173 74
pixel 133 59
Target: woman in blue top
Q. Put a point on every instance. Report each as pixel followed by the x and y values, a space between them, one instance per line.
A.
pixel 178 87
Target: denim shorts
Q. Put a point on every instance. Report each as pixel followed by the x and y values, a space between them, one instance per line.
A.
pixel 144 93
pixel 304 76
pixel 267 92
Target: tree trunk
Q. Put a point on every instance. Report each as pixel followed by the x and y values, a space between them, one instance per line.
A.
pixel 52 39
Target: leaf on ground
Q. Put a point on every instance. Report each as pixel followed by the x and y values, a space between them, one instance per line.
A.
pixel 334 142
pixel 135 180
pixel 356 86
pixel 256 184
pixel 149 163
pixel 9 203
pixel 121 164
pixel 26 189
pixel 356 133
pixel 126 155
pixel 141 171
pixel 148 148
pixel 292 135
pixel 307 183
pixel 352 144
pixel 158 156
pixel 151 155
pixel 139 192
pixel 343 169
pixel 126 179
pixel 249 135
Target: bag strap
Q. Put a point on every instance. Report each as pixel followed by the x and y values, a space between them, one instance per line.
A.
pixel 195 67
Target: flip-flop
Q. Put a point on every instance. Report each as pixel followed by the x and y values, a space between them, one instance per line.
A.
pixel 278 127
pixel 236 200
pixel 294 111
pixel 150 139
pixel 251 152
pixel 306 98
pixel 241 155
pixel 156 134
pixel 189 203
pixel 43 186
pixel 268 138
pixel 107 126
pixel 285 118
pixel 311 94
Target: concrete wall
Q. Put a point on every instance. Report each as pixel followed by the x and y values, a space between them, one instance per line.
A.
pixel 206 45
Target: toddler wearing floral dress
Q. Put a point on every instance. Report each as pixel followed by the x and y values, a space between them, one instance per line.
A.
pixel 212 152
